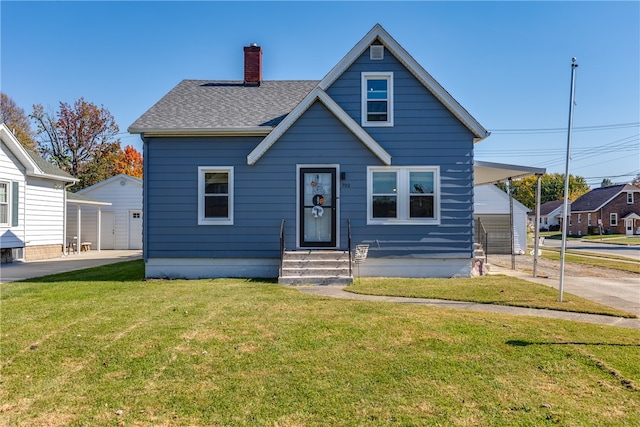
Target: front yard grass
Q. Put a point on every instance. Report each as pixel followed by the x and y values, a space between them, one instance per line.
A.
pixel 104 347
pixel 594 259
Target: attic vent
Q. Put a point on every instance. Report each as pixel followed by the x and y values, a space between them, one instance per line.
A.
pixel 376 52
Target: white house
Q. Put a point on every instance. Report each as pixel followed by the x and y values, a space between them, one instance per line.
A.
pixel 491 207
pixel 120 224
pixel 550 214
pixel 32 202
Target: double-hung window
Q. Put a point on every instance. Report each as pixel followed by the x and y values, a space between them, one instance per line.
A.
pixel 215 195
pixel 613 219
pixel 403 195
pixel 377 99
pixel 4 204
pixel 629 197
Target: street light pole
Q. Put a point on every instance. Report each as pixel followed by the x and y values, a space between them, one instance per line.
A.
pixel 566 215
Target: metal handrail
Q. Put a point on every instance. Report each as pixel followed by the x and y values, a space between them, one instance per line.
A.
pixel 349 245
pixel 282 246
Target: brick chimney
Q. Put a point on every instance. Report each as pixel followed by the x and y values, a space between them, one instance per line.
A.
pixel 252 64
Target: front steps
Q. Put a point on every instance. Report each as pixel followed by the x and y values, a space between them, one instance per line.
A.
pixel 478 265
pixel 321 267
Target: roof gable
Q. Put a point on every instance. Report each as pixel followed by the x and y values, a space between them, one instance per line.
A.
pixel 34 164
pixel 320 95
pixel 379 33
pixel 599 197
pixel 108 181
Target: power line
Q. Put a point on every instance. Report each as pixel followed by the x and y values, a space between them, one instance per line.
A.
pixel 557 130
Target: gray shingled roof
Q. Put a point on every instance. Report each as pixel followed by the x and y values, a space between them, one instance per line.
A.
pixel 46 167
pixel 210 104
pixel 547 207
pixel 594 199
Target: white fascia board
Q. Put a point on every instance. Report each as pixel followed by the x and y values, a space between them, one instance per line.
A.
pixel 339 113
pixel 12 143
pixel 377 32
pixel 229 131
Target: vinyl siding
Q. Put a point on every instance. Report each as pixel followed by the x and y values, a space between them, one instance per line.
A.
pixel 424 133
pixel 12 171
pixel 44 212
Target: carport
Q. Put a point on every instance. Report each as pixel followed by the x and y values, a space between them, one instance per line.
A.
pixel 73 238
pixel 492 173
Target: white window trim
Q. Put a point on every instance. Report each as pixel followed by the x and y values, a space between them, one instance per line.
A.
pixel 214 221
pixel 8 204
pixel 403 197
pixel 579 218
pixel 589 219
pixel 613 219
pixel 363 101
pixel 629 197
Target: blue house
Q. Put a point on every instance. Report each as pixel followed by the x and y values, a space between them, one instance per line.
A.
pixel 242 177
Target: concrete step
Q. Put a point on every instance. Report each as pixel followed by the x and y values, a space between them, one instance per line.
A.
pixel 320 267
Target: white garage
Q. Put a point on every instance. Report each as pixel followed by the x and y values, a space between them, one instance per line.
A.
pixel 120 224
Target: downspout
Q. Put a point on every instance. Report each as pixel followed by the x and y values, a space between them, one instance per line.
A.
pixel 145 198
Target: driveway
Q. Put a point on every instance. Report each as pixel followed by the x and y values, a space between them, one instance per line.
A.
pixel 26 270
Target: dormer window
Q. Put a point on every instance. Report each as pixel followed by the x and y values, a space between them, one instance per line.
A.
pixel 377 99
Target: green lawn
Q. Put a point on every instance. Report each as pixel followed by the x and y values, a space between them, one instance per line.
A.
pixel 104 347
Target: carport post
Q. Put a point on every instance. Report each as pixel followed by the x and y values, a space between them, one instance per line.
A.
pixel 536 238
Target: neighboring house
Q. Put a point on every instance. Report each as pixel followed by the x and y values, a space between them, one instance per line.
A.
pixel 616 208
pixel 377 153
pixel 491 207
pixel 550 213
pixel 116 226
pixel 32 202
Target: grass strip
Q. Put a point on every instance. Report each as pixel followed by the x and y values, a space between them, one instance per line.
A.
pixel 493 289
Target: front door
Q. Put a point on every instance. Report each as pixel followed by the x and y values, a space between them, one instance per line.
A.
pixel 628 225
pixel 317 207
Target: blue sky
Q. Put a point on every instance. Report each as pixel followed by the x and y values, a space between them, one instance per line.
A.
pixel 507 63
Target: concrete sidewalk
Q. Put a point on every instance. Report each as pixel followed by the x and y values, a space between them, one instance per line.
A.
pixel 26 270
pixel 571 286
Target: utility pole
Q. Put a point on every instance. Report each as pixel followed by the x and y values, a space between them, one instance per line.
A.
pixel 565 211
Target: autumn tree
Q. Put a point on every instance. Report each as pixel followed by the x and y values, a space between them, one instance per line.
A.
pixel 17 120
pixel 551 188
pixel 129 161
pixel 80 139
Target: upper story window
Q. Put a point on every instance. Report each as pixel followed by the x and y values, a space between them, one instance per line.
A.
pixel 579 218
pixel 377 99
pixel 630 197
pixel 215 195
pixel 403 195
pixel 4 204
pixel 588 219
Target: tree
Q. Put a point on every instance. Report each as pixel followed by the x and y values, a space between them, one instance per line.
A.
pixel 80 139
pixel 606 182
pixel 129 162
pixel 17 120
pixel 636 180
pixel 551 188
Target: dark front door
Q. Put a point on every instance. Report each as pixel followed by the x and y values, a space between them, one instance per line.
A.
pixel 318 207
